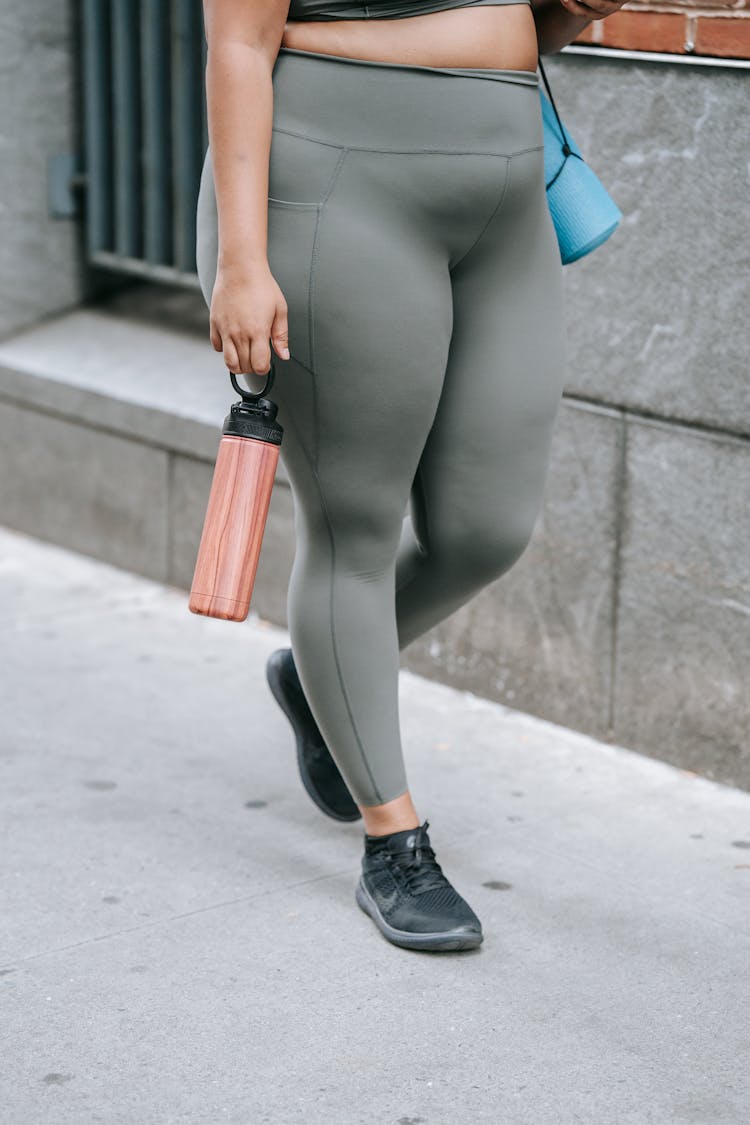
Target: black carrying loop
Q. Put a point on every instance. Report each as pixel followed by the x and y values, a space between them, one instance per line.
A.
pixel 566 149
pixel 254 396
pixel 563 134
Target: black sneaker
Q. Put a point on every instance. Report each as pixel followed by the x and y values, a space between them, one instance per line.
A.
pixel 320 774
pixel 403 889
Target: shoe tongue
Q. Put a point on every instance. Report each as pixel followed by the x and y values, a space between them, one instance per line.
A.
pixel 400 841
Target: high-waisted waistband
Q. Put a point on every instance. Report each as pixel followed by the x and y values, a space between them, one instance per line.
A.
pixel 391 107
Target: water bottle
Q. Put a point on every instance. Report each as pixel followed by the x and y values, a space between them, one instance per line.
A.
pixel 237 506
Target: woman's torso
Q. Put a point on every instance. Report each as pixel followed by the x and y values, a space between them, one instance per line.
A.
pixel 489 35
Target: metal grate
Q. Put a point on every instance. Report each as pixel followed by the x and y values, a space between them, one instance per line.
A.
pixel 145 134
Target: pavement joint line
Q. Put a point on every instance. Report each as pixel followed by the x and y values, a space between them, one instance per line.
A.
pixel 22 961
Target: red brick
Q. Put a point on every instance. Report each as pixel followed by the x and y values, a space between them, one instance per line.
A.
pixel 691 7
pixel 644 31
pixel 725 37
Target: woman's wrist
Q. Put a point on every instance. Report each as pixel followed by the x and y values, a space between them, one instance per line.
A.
pixel 562 32
pixel 235 267
pixel 556 26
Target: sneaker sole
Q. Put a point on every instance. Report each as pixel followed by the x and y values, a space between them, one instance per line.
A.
pixel 273 678
pixel 446 941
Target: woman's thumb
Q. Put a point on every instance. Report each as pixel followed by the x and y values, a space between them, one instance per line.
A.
pixel 280 335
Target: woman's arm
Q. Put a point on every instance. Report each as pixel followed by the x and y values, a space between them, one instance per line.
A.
pixel 558 22
pixel 243 38
pixel 247 307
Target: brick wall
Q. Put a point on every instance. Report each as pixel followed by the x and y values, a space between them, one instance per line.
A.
pixel 697 27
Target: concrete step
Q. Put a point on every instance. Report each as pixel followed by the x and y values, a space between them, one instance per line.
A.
pixel 111 419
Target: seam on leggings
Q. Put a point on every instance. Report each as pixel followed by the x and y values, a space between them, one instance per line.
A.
pixel 408 151
pixel 495 210
pixel 329 526
pixel 314 255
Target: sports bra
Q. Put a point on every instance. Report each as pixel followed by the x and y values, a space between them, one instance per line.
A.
pixel 380 9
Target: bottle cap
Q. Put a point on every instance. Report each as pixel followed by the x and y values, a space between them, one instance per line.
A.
pixel 254 416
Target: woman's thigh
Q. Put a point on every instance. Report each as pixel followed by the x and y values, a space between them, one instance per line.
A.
pixel 482 472
pixel 370 321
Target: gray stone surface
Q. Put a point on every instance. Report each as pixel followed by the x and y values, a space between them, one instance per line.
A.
pixel 155 380
pixel 658 315
pixel 180 940
pixel 84 488
pixel 540 637
pixel 40 264
pixel 683 636
pixel 148 381
pixel 190 485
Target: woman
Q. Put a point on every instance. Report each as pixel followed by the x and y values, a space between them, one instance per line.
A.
pixel 373 208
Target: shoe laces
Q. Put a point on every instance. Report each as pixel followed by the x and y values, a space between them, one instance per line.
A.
pixel 419 868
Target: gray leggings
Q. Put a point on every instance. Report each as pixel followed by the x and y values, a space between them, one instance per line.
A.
pixel 409 232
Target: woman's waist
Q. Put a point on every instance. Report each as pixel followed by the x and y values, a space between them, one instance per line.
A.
pixel 499 36
pixel 353 103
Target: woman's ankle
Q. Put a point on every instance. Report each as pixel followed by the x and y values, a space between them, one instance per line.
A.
pixel 393 816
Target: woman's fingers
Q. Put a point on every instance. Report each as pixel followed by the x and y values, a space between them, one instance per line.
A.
pixel 280 333
pixel 231 359
pixel 577 9
pixel 244 356
pixel 242 347
pixel 260 356
pixel 248 322
pixel 593 10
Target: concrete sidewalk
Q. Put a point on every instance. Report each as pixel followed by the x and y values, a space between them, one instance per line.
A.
pixel 180 940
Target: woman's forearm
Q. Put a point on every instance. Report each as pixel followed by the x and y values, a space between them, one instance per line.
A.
pixel 239 94
pixel 555 27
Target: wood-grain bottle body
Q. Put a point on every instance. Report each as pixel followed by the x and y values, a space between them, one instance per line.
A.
pixel 233 529
pixel 237 510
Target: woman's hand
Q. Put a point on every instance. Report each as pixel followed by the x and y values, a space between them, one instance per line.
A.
pixel 594 10
pixel 247 310
pixel 559 22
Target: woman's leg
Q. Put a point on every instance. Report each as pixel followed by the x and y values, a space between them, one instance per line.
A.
pixel 479 484
pixel 354 432
pixel 372 247
pixel 356 402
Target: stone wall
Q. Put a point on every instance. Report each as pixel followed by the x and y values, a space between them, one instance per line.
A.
pixel 629 616
pixel 42 265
